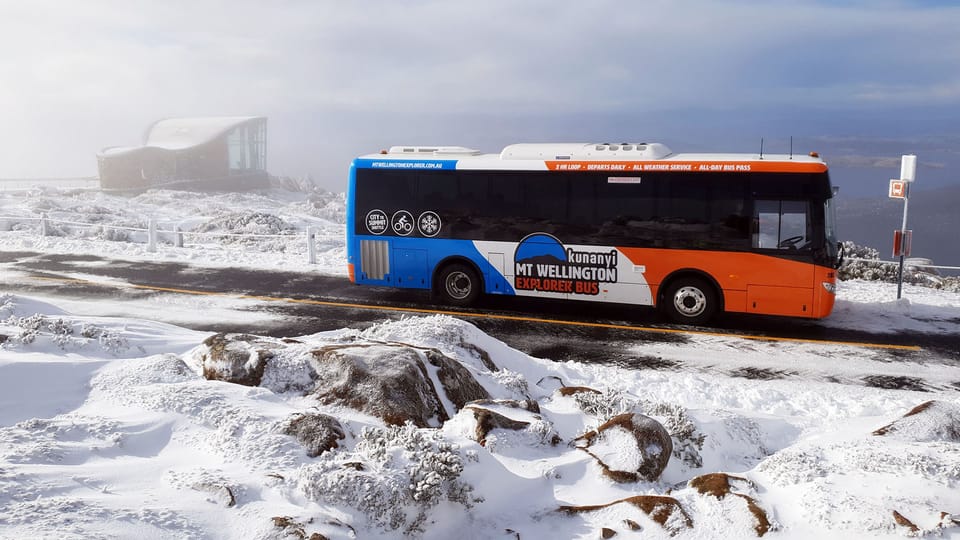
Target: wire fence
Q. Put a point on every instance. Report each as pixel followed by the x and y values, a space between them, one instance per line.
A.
pixel 914 262
pixel 153 231
pixel 21 184
pixel 311 236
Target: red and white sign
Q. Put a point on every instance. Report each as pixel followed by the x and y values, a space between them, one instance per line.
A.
pixel 898 189
pixel 902 243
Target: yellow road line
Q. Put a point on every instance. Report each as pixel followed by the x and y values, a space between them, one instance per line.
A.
pixel 485 315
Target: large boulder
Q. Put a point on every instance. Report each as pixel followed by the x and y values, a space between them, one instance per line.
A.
pixel 235 358
pixel 393 382
pixel 629 447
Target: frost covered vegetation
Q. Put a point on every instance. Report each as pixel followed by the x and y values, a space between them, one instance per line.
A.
pixel 182 434
pixel 914 272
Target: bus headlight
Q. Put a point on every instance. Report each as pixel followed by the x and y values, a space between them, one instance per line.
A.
pixel 830 287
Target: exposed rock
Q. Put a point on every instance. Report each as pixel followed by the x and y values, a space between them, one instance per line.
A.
pixel 484 355
pixel 719 485
pixel 525 404
pixel 571 390
pixel 607 532
pixel 316 432
pixel 904 522
pixel 632 525
pixel 236 358
pixel 929 421
pixel 389 382
pixel 650 439
pixel 665 511
pixel 393 382
pixel 290 528
pixel 457 382
pixel 488 420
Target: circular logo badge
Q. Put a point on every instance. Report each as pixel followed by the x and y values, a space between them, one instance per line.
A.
pixel 377 222
pixel 429 223
pixel 402 222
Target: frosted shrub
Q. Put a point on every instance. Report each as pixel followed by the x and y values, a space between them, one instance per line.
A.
pixel 112 342
pixel 687 440
pixel 877 271
pixel 605 405
pixel 110 234
pixel 29 327
pixel 394 476
pixel 61 333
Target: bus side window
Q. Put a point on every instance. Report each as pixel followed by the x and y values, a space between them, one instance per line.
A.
pixel 781 225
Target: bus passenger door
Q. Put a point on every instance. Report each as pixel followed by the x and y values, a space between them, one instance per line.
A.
pixel 782 282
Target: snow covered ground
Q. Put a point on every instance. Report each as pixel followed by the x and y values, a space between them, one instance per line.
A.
pixel 109 429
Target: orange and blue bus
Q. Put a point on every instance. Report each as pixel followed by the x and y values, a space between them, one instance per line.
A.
pixel 692 234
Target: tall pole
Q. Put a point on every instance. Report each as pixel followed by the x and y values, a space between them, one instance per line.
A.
pixel 903 238
pixel 908 173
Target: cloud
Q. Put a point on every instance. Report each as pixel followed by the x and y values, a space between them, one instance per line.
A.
pixel 878 162
pixel 91 74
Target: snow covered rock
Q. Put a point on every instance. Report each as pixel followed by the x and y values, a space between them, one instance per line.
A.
pixel 519 422
pixel 316 432
pixel 458 384
pixel 929 421
pixel 395 383
pixel 719 485
pixel 662 510
pixel 235 358
pixel 629 447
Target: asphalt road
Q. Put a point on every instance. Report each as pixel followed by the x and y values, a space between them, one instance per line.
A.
pixel 608 335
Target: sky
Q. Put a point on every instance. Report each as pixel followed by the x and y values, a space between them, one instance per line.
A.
pixel 860 82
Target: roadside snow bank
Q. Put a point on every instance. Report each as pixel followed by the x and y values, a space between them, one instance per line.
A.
pixel 138 443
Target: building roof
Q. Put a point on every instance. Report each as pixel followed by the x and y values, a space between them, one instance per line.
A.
pixel 183 133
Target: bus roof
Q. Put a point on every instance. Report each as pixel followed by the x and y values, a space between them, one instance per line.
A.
pixel 623 157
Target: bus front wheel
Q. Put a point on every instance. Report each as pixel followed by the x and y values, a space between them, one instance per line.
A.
pixel 458 285
pixel 690 301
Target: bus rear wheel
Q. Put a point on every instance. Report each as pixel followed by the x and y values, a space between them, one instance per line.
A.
pixel 458 285
pixel 690 301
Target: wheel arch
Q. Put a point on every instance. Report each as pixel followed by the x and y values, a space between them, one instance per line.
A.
pixel 687 273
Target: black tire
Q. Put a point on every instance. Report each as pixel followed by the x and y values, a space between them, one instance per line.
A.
pixel 458 285
pixel 690 301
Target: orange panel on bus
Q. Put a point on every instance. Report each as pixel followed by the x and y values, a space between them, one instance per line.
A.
pixel 779 286
pixel 769 300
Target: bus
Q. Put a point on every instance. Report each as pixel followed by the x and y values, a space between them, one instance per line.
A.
pixel 691 234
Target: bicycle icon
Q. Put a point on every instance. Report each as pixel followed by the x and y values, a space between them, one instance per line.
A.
pixel 402 222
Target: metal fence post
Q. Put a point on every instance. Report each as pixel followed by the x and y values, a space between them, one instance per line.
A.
pixel 152 236
pixel 311 246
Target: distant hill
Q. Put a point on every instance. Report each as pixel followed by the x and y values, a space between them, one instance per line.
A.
pixel 934 216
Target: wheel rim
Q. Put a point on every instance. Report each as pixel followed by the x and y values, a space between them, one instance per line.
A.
pixel 458 285
pixel 690 301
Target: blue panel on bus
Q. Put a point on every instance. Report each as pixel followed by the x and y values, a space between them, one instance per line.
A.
pixel 413 260
pixel 431 164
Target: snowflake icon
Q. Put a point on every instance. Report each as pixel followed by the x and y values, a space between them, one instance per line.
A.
pixel 429 223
